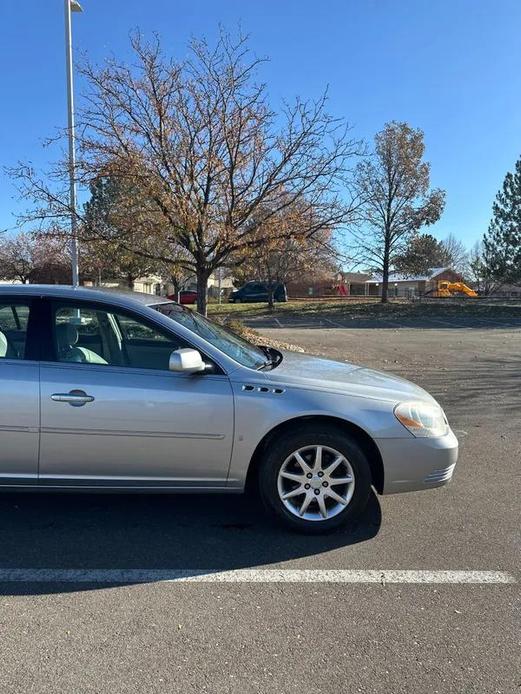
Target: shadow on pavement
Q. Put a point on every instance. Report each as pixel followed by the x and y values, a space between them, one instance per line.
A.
pixel 194 532
pixel 391 322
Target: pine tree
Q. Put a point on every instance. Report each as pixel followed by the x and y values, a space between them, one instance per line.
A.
pixel 106 249
pixel 502 242
pixel 423 253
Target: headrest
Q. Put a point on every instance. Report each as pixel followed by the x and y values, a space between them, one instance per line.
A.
pixel 3 344
pixel 66 335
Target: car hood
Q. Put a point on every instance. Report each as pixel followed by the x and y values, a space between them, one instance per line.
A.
pixel 317 373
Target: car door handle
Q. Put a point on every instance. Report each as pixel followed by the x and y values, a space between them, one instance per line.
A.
pixel 76 398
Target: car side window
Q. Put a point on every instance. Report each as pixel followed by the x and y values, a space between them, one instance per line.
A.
pixel 14 318
pixel 95 335
pixel 133 330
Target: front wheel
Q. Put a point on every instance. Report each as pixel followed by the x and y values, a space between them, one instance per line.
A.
pixel 316 480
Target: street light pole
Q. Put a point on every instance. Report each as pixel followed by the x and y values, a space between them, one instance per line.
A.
pixel 71 6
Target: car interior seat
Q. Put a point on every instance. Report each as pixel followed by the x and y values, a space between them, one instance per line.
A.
pixel 6 350
pixel 68 350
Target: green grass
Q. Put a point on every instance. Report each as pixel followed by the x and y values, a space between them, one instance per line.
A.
pixel 302 306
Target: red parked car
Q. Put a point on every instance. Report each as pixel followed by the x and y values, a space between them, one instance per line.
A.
pixel 186 296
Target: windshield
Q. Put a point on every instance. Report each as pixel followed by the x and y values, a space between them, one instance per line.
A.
pixel 228 342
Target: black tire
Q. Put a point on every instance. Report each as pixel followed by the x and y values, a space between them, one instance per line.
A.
pixel 279 450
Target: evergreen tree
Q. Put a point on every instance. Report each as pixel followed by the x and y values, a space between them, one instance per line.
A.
pixel 423 253
pixel 502 242
pixel 105 250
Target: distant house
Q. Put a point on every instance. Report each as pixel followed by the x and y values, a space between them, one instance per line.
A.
pixel 154 284
pixel 354 282
pixel 409 287
pixel 338 284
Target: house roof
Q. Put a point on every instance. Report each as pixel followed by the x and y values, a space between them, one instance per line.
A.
pixel 355 276
pixel 398 277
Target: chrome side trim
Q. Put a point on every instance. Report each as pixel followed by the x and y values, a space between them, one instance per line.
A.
pixel 9 427
pixel 46 487
pixel 103 479
pixel 118 432
pixel 17 476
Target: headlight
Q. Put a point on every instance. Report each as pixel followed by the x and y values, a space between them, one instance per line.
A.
pixel 422 419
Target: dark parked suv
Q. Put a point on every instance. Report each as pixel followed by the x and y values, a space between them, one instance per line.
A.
pixel 258 291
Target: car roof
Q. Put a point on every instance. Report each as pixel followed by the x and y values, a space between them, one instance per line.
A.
pixel 62 291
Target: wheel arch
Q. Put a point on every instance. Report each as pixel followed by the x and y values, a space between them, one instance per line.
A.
pixel 364 440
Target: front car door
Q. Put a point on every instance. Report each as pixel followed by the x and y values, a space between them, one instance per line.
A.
pixel 112 414
pixel 19 394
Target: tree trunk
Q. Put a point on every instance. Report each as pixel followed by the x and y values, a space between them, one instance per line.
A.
pixel 269 277
pixel 385 273
pixel 176 284
pixel 202 290
pixel 130 282
pixel 271 290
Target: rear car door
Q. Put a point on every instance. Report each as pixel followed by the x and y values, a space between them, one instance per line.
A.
pixel 114 415
pixel 19 394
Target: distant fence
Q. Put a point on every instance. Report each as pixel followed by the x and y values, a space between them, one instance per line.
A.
pixel 469 299
pixel 335 297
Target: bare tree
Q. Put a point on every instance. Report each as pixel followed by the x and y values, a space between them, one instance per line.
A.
pixel 17 258
pixel 32 257
pixel 394 185
pixel 457 254
pixel 285 258
pixel 200 141
pixel 177 276
pixel 478 271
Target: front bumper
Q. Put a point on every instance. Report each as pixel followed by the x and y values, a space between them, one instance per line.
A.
pixel 412 464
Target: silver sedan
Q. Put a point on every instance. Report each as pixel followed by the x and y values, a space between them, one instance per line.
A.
pixel 128 392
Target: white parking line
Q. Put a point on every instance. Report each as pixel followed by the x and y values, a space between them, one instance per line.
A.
pixel 382 577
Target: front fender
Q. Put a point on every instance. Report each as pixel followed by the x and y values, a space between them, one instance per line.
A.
pixel 260 409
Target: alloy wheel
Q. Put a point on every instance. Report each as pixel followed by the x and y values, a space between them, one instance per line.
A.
pixel 316 483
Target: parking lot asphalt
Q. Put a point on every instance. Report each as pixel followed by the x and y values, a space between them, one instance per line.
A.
pixel 240 636
pixel 427 321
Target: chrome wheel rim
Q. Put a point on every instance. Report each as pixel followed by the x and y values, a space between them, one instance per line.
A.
pixel 316 483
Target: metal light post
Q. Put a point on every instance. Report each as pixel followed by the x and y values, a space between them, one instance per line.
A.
pixel 71 6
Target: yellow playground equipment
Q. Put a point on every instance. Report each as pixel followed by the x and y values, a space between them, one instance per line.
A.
pixel 447 289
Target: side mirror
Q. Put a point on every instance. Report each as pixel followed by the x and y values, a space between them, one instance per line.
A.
pixel 186 360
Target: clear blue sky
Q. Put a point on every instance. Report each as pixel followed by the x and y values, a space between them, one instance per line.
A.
pixel 450 67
